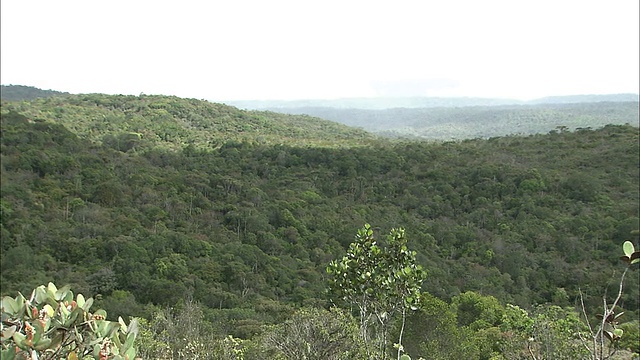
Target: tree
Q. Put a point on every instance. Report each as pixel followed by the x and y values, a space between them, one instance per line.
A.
pixel 381 282
pixel 433 330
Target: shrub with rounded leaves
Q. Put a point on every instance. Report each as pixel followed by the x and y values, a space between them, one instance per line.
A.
pixel 52 324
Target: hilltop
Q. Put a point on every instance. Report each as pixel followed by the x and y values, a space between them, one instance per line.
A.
pixel 22 92
pixel 175 122
pixel 129 122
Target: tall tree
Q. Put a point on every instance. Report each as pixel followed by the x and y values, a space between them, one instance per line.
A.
pixel 381 282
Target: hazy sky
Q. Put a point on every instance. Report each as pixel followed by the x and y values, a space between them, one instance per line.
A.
pixel 274 49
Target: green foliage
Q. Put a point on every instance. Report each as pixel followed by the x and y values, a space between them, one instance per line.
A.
pixel 631 255
pixel 477 311
pixel 480 120
pixel 379 281
pixel 21 92
pixel 432 331
pixel 631 336
pixel 552 332
pixel 52 324
pixel 246 228
pixel 134 123
pixel 313 333
pixel 607 332
pixel 271 216
pixel 183 334
pixel 557 334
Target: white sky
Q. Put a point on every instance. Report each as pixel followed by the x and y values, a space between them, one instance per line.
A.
pixel 277 49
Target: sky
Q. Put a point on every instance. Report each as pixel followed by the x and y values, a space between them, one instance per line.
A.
pixel 308 49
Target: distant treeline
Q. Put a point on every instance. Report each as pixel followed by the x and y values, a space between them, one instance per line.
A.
pixel 380 103
pixel 448 123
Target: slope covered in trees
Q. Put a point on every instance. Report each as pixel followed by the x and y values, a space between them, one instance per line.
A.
pixel 447 123
pixel 247 228
pixel 381 103
pixel 127 122
pixel 21 92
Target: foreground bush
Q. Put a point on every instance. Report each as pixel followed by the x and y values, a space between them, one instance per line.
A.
pixel 313 333
pixel 52 324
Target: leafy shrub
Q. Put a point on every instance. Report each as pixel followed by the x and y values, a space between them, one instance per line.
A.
pixel 316 334
pixel 51 324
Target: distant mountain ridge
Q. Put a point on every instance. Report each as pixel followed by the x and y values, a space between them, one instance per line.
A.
pixel 464 117
pixel 423 102
pixel 22 92
pixel 467 122
pixel 574 99
pixel 179 121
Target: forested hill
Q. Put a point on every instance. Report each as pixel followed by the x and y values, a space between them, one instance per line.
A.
pixel 149 202
pixel 21 92
pixel 380 103
pixel 126 122
pixel 248 228
pixel 468 122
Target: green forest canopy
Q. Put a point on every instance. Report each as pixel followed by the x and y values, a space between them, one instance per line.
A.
pixel 154 121
pixel 247 226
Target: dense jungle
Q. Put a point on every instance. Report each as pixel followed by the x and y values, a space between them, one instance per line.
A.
pixel 214 227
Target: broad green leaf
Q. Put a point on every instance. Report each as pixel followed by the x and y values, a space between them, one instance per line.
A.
pixel 130 353
pixel 618 333
pixel 64 312
pixel 49 310
pixel 96 351
pixel 73 316
pixel 8 332
pixel 40 294
pixel 10 305
pixel 21 302
pixel 38 331
pixel 64 294
pixel 8 354
pixel 19 339
pixel 80 300
pixel 628 248
pixel 87 304
pixel 128 344
pixel 51 288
